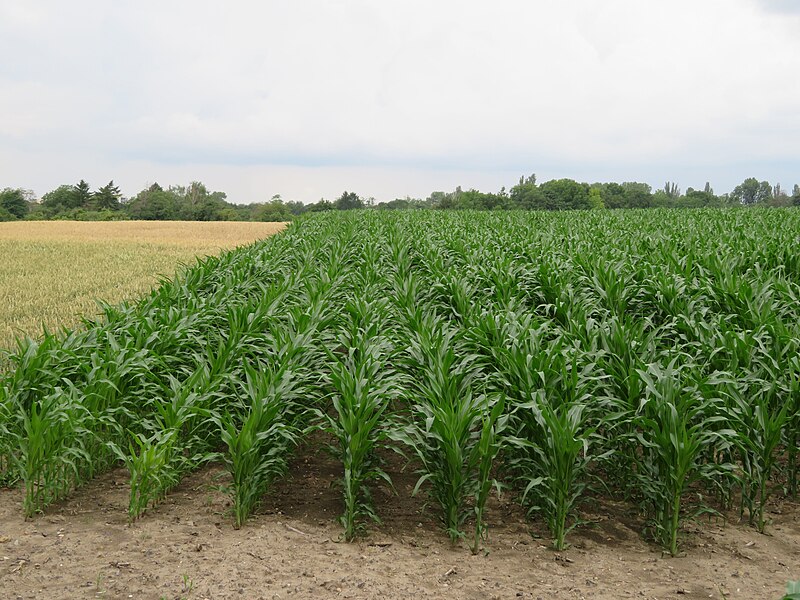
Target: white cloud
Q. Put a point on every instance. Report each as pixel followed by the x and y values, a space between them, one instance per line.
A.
pixel 371 90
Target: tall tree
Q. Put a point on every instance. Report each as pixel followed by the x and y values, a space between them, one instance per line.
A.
pixel 638 195
pixel 696 198
pixel 274 210
pixel 526 193
pixel 349 201
pixel 561 194
pixel 14 202
pixel 672 190
pixel 779 197
pixel 107 197
pixel 596 197
pixel 154 204
pixel 751 191
pixel 613 195
pixel 60 199
pixel 320 206
pixel 83 195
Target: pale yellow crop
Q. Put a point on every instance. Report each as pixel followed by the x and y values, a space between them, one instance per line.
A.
pixel 51 272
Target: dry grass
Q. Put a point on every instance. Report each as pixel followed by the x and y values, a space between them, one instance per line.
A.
pixel 52 272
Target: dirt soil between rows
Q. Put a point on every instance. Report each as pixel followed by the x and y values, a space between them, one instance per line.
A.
pixel 187 548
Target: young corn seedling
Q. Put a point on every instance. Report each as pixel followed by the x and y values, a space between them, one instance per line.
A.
pixel 153 468
pixel 550 448
pixel 792 429
pixel 553 467
pixel 362 390
pixel 9 436
pixel 676 426
pixel 179 442
pixel 48 454
pixel 445 424
pixel 759 425
pixel 259 435
pixel 490 444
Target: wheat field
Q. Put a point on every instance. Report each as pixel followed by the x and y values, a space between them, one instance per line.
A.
pixel 52 272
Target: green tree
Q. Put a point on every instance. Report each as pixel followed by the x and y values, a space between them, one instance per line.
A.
pixel 526 194
pixel 321 206
pixel 196 203
pixel 154 204
pixel 348 201
pixel 560 194
pixel 751 191
pixel 212 208
pixel 779 197
pixel 596 198
pixel 697 198
pixel 613 195
pixel 14 202
pixel 60 199
pixel 296 207
pixel 672 190
pixel 474 199
pixel 274 210
pixel 796 195
pixel 83 195
pixel 107 197
pixel 435 199
pixel 450 200
pixel 637 195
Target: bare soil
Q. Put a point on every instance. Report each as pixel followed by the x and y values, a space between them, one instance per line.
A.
pixel 187 548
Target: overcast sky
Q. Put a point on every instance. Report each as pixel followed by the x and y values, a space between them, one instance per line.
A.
pixel 392 98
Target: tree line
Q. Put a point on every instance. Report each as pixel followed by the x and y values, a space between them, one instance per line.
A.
pixel 195 202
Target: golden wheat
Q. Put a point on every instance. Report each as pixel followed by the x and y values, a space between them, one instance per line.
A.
pixel 52 272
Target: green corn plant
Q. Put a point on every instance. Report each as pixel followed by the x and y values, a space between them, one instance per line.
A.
pixel 9 436
pixel 153 468
pixel 619 290
pixel 792 428
pixel 759 425
pixel 106 375
pixel 625 349
pixel 490 444
pixel 179 441
pixel 50 450
pixel 258 435
pixel 550 448
pixel 611 282
pixel 360 386
pixel 553 464
pixel 444 426
pixel 64 441
pixel 362 392
pixel 792 591
pixel 32 375
pixel 110 374
pixel 675 425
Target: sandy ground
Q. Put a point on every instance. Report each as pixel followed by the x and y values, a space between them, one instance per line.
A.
pixel 187 548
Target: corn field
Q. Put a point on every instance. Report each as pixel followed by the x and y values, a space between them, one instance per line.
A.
pixel 649 356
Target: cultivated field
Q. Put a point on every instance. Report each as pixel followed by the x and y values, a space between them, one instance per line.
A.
pixel 52 272
pixel 630 381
